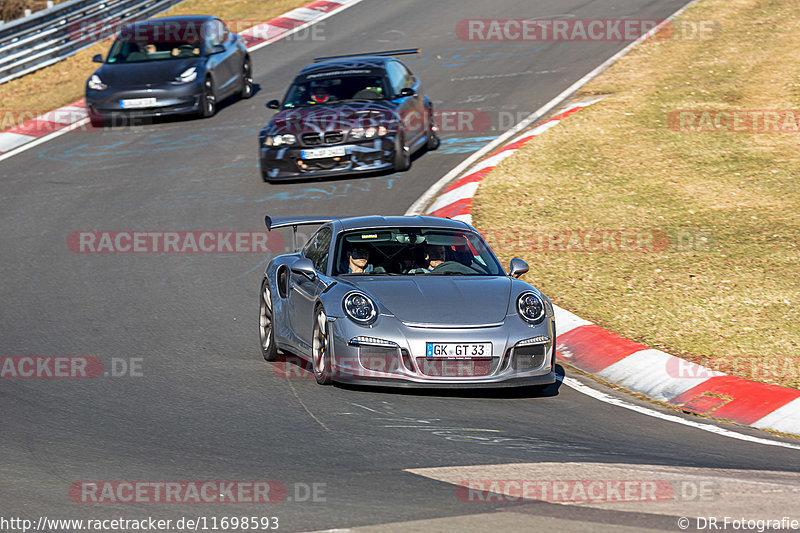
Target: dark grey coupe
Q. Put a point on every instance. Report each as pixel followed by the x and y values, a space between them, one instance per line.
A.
pixel 405 301
pixel 166 66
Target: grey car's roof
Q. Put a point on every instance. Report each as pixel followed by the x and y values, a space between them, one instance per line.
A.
pixel 375 221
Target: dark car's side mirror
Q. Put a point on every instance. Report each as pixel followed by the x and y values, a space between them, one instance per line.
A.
pixel 218 49
pixel 273 104
pixel 305 267
pixel 98 58
pixel 517 267
pixel 406 92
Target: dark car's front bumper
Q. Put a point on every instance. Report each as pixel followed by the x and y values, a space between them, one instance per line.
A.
pixel 360 156
pixel 170 100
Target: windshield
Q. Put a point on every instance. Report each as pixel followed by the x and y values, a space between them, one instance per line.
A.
pixel 304 92
pixel 414 251
pixel 139 51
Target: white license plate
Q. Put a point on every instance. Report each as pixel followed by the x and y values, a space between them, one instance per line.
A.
pixel 319 153
pixel 459 349
pixel 134 103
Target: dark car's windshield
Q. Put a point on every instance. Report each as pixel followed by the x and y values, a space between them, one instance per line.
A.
pixel 414 251
pixel 304 92
pixel 139 51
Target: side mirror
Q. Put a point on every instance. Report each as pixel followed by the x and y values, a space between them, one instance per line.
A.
pixel 517 267
pixel 98 58
pixel 273 104
pixel 218 49
pixel 305 267
pixel 408 91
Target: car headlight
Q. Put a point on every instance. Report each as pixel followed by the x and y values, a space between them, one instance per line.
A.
pixel 530 307
pixel 357 134
pixel 280 140
pixel 359 308
pixel 96 84
pixel 188 75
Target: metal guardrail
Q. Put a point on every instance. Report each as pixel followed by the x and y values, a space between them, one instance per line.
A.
pixel 52 35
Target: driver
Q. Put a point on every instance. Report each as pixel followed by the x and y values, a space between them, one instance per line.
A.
pixel 320 95
pixel 358 261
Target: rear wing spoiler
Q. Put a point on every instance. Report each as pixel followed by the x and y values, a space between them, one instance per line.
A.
pixel 292 222
pixel 385 53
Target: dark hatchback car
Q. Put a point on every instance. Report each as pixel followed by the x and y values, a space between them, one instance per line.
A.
pixel 348 114
pixel 167 66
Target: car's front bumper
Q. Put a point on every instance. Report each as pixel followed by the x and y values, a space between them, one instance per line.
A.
pixel 406 365
pixel 361 156
pixel 169 100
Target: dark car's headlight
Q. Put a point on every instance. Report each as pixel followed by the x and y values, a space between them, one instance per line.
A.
pixel 356 134
pixel 96 84
pixel 187 76
pixel 530 307
pixel 280 140
pixel 359 308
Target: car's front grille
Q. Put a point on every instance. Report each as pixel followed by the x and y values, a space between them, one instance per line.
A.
pixel 454 368
pixel 334 137
pixel 311 139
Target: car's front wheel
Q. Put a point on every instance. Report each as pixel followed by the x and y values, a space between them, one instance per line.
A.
pixel 208 100
pixel 266 324
pixel 402 155
pixel 432 132
pixel 320 349
pixel 247 79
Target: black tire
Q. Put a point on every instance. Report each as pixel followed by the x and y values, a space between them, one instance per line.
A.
pixel 433 132
pixel 208 99
pixel 247 80
pixel 266 324
pixel 402 155
pixel 320 348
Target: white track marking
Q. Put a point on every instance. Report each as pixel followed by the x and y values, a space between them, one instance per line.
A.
pixel 603 397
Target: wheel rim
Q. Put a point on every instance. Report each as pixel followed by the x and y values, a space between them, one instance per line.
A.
pixel 210 98
pixel 320 343
pixel 248 79
pixel 266 318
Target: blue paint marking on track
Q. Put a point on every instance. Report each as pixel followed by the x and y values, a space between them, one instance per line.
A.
pixel 459 57
pixel 461 145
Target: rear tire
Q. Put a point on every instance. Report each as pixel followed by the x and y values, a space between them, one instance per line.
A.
pixel 266 325
pixel 433 133
pixel 320 348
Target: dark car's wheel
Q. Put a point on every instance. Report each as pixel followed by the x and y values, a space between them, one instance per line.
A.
pixel 320 349
pixel 208 100
pixel 247 79
pixel 432 132
pixel 266 328
pixel 402 155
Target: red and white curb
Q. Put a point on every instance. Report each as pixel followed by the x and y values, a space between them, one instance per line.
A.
pixel 74 115
pixel 624 362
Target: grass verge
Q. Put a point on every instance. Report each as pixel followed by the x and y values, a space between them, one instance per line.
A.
pixel 713 268
pixel 63 83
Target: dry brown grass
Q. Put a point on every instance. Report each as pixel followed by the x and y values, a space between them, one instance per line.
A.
pixel 63 83
pixel 730 302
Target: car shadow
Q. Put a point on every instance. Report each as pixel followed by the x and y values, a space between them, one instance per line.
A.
pixel 294 367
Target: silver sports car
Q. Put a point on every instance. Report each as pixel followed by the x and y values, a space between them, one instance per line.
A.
pixel 405 301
